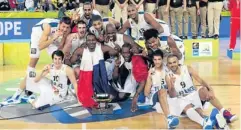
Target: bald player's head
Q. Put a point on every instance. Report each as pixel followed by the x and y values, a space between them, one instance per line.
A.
pixel 111 32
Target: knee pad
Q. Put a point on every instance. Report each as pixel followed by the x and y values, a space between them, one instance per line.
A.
pixel 31 72
pixel 34 52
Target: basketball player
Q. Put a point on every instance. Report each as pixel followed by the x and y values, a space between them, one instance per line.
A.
pixel 88 12
pixel 125 80
pixel 50 34
pixel 138 23
pixel 185 97
pixel 91 42
pixel 154 42
pixel 156 89
pixel 73 41
pixel 114 38
pixel 55 89
pixel 99 26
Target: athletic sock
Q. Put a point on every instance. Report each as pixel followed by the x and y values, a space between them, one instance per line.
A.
pixel 17 93
pixel 222 110
pixel 194 116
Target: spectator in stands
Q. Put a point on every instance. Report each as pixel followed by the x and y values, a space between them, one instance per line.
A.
pixel 102 6
pixel 150 6
pixel 62 9
pixel 177 7
pixel 20 4
pixel 202 18
pixel 162 7
pixel 70 5
pixel 4 5
pixel 48 6
pixel 214 12
pixel 12 4
pixel 120 10
pixel 192 13
pixel 139 4
pixel 29 4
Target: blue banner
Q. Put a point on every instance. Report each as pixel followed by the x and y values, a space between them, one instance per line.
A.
pixel 21 28
pixel 16 28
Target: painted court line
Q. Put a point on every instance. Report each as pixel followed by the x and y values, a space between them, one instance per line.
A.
pixel 79 113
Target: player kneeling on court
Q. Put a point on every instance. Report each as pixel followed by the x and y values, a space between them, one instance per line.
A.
pixel 55 89
pixel 186 98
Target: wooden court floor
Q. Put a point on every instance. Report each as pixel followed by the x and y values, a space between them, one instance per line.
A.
pixel 222 74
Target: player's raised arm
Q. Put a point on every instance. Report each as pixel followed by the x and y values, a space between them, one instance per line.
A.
pixel 152 21
pixel 111 51
pixel 44 72
pixel 173 46
pixel 125 26
pixel 45 41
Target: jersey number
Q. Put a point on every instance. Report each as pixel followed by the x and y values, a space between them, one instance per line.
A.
pixel 56 78
pixel 142 30
pixel 183 84
pixel 32 74
pixel 162 82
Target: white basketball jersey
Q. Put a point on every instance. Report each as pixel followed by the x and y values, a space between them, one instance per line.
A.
pixel 119 41
pixel 183 83
pixel 137 29
pixel 158 79
pixel 59 80
pixel 180 45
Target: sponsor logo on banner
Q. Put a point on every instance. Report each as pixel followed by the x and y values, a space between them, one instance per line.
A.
pixel 195 49
pixel 205 49
pixel 202 49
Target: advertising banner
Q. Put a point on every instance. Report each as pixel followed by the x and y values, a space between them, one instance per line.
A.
pixel 16 28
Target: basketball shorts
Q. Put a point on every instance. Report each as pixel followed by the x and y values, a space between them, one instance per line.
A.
pixel 47 95
pixel 35 38
pixel 177 105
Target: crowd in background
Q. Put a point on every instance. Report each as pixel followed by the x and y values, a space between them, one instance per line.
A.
pixel 166 10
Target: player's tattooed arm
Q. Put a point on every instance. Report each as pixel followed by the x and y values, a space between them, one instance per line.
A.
pixel 195 75
pixel 44 72
pixel 125 26
pixel 152 21
pixel 173 47
pixel 76 55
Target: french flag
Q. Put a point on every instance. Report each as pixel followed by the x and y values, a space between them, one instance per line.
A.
pixel 93 77
pixel 85 87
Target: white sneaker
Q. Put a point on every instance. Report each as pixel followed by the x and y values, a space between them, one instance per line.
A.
pixel 221 122
pixel 11 101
